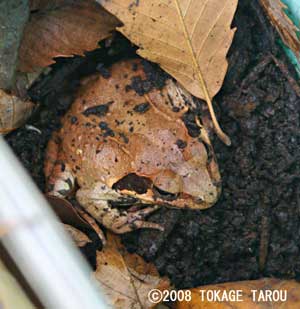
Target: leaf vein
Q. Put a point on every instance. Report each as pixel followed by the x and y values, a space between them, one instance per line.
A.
pixel 167 26
pixel 156 39
pixel 187 9
pixel 211 28
pixel 171 58
pixel 198 19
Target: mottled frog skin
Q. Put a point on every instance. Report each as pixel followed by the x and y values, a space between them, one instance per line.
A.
pixel 116 132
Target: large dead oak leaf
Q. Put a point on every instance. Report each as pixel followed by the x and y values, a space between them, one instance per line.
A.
pixel 13 112
pixel 188 38
pixel 63 29
pixel 126 279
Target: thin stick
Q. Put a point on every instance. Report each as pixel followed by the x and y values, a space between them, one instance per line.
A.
pixel 284 70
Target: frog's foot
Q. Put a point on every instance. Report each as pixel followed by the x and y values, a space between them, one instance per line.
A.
pixel 95 201
pixel 130 221
pixel 59 177
pixel 62 182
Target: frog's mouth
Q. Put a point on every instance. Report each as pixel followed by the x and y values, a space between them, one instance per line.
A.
pixel 142 185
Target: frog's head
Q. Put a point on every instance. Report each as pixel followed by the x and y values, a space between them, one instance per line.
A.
pixel 193 182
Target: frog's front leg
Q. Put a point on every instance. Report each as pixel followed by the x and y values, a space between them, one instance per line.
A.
pixel 60 180
pixel 95 200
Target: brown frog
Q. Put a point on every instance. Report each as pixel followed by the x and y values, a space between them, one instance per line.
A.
pixel 122 144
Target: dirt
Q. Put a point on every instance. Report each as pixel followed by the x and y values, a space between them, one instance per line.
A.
pixel 254 229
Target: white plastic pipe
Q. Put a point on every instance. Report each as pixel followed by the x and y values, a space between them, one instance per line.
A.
pixel 38 244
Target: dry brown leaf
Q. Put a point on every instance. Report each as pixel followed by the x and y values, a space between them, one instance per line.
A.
pixel 291 286
pixel 78 237
pixel 64 31
pixel 188 38
pixel 13 112
pixel 283 24
pixel 73 216
pixel 126 278
pixel 66 212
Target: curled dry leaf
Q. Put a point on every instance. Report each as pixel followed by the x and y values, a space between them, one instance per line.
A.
pixel 63 31
pixel 66 212
pixel 189 39
pixel 284 25
pixel 263 287
pixel 78 237
pixel 13 112
pixel 126 278
pixel 73 216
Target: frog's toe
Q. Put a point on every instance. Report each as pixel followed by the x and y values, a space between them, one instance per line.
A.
pixel 138 224
pixel 131 221
pixel 144 211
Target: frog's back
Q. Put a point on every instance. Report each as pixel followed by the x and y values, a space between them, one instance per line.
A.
pixel 119 129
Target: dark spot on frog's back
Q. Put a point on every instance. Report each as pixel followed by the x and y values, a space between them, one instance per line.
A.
pixel 99 110
pixel 140 86
pixel 107 131
pixel 103 125
pixel 73 119
pixel 181 144
pixel 124 138
pixel 142 108
pixel 155 74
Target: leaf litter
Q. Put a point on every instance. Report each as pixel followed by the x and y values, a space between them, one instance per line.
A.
pixel 126 278
pixel 64 29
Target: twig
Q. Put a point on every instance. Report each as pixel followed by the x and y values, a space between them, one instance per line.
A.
pixel 254 74
pixel 284 70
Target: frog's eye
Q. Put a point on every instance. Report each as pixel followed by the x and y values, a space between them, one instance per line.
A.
pixel 168 182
